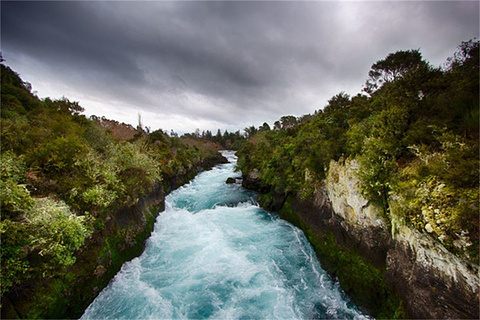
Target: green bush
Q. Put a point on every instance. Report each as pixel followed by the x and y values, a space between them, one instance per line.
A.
pixel 55 231
pixel 15 198
pixel 15 266
pixel 100 196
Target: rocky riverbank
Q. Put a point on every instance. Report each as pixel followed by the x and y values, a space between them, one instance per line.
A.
pixel 388 268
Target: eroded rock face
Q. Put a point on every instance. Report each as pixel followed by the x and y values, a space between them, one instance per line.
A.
pixel 251 180
pixel 362 220
pixel 436 283
pixel 432 282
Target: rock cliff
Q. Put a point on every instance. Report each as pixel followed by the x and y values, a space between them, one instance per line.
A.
pixel 432 282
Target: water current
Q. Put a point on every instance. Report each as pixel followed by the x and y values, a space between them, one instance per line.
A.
pixel 215 254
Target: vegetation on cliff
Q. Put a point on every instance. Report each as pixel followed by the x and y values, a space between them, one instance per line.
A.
pixel 62 175
pixel 415 133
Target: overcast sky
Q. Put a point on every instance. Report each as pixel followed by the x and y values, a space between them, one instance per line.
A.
pixel 209 65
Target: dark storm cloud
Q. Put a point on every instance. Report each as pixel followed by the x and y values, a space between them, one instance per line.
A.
pixel 226 63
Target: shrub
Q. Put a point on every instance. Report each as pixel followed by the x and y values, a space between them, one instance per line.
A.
pixel 15 198
pixel 55 231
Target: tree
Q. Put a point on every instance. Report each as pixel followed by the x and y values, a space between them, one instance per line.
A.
pixel 336 110
pixel 250 131
pixel 218 136
pixel 64 106
pixel 288 121
pixel 394 66
pixel 467 51
pixel 264 127
pixel 277 125
pixel 338 102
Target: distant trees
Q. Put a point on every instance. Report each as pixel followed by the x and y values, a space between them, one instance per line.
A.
pixel 250 131
pixel 227 140
pixel 264 127
pixel 288 121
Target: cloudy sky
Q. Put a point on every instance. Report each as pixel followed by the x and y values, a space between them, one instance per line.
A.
pixel 208 65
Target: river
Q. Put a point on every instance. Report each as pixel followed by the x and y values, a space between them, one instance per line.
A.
pixel 215 254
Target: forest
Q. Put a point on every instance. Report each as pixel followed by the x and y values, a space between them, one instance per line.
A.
pixel 414 130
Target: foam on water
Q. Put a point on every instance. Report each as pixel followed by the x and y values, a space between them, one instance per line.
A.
pixel 215 254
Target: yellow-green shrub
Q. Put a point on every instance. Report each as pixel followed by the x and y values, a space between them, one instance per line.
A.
pixel 55 231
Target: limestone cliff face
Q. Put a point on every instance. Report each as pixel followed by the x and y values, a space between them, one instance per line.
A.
pixel 432 282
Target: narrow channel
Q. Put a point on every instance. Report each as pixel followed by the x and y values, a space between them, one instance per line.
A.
pixel 215 254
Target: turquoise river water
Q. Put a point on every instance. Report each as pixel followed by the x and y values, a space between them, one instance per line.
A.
pixel 215 254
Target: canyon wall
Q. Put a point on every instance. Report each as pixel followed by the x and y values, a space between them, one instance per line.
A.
pixel 388 268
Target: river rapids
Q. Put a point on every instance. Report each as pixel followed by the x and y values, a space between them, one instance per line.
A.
pixel 215 254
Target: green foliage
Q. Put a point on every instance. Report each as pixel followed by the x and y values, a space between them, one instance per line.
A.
pixel 55 231
pixel 58 156
pixel 64 106
pixel 438 193
pixel 100 196
pixel 47 228
pixel 360 279
pixel 15 198
pixel 377 169
pixel 137 170
pixel 15 266
pixel 394 66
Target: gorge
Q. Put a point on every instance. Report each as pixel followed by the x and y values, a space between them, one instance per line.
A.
pixel 366 208
pixel 215 254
